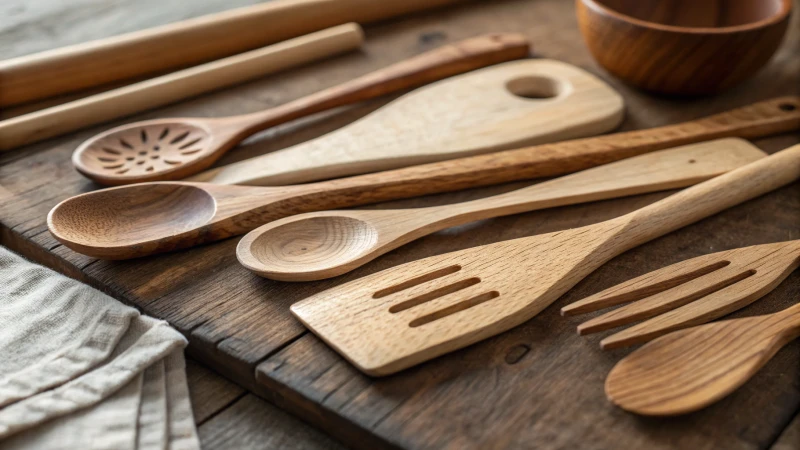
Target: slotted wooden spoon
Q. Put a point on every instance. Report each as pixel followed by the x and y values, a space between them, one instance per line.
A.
pixel 169 149
pixel 147 218
pixel 690 369
pixel 688 293
pixel 325 244
pixel 402 316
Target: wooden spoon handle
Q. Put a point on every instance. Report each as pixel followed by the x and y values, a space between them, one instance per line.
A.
pixel 790 316
pixel 756 120
pixel 443 62
pixel 710 197
pixel 666 169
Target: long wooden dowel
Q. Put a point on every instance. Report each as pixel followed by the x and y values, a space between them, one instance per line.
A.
pixel 170 88
pixel 181 44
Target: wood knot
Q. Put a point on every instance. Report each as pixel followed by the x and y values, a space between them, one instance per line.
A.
pixel 432 37
pixel 516 353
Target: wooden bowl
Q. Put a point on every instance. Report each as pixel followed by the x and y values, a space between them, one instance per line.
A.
pixel 683 47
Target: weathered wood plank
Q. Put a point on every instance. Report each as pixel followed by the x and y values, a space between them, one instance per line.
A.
pixel 210 394
pixel 252 423
pixel 228 417
pixel 790 438
pixel 536 386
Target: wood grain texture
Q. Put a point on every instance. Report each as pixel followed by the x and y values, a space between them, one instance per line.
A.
pixel 183 43
pixel 538 385
pixel 505 106
pixel 228 417
pixel 209 393
pixel 321 245
pixel 166 89
pixel 149 218
pixel 682 47
pixel 252 424
pixel 790 438
pixel 405 315
pixel 168 149
pixel 688 293
pixel 689 369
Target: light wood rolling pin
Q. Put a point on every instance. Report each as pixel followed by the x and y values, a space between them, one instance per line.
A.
pixel 170 88
pixel 185 43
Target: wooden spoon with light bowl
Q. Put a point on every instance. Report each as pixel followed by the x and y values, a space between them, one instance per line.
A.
pixel 690 369
pixel 148 218
pixel 169 149
pixel 683 47
pixel 320 245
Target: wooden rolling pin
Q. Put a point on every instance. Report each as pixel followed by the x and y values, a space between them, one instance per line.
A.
pixel 170 88
pixel 184 43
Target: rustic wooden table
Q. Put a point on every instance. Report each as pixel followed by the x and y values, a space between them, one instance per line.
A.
pixel 536 386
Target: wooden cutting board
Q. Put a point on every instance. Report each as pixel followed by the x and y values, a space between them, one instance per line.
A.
pixel 536 386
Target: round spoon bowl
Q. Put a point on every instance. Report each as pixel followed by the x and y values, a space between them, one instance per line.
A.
pixel 683 47
pixel 144 151
pixel 309 249
pixel 111 219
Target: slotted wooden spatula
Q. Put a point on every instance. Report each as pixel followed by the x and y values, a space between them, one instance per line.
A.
pixel 688 293
pixel 402 316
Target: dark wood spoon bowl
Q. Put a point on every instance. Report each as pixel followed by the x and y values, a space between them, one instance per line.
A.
pixel 683 47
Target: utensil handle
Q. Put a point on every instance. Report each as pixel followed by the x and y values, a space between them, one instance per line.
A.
pixel 756 120
pixel 792 315
pixel 185 43
pixel 443 62
pixel 665 169
pixel 176 86
pixel 709 197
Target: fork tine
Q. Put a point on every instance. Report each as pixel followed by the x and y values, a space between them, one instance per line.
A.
pixel 666 300
pixel 649 284
pixel 713 306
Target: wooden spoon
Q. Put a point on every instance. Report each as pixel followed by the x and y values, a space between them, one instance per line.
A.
pixel 320 245
pixel 168 149
pixel 690 369
pixel 147 218
pixel 404 315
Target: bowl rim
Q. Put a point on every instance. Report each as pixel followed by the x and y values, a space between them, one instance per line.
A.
pixel 786 9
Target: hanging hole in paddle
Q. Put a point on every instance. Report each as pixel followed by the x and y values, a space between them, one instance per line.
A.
pixel 534 87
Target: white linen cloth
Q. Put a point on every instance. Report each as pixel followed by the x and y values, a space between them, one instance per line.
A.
pixel 78 369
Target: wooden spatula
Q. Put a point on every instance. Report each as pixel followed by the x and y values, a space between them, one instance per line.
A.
pixel 402 316
pixel 688 293
pixel 495 108
pixel 693 368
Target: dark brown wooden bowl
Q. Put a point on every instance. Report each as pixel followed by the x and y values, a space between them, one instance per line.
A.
pixel 683 47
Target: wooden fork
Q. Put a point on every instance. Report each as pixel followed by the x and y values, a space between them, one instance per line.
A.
pixel 693 368
pixel 688 293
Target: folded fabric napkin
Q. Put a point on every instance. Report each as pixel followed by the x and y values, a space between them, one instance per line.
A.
pixel 80 370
